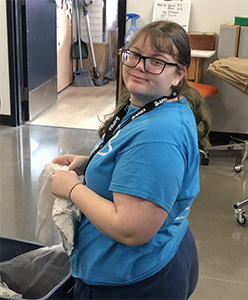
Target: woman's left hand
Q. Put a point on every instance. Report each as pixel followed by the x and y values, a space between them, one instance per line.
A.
pixel 62 182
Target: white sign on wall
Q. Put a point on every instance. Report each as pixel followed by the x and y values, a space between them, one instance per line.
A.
pixel 175 11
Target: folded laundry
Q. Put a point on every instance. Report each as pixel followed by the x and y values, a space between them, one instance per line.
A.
pixel 56 216
pixel 233 70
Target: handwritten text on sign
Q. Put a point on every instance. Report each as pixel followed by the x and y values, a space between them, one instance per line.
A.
pixel 176 11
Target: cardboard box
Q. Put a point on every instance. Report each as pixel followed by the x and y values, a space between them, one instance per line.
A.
pixel 243 42
pixel 228 40
pixel 202 40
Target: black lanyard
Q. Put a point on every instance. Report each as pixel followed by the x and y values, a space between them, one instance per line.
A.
pixel 114 126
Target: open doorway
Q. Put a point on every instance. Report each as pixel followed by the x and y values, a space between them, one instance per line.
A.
pixel 31 32
pixel 83 107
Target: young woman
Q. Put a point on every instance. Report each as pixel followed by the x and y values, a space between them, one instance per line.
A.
pixel 141 179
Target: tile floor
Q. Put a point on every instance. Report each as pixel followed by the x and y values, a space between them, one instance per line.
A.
pixel 79 107
pixel 222 243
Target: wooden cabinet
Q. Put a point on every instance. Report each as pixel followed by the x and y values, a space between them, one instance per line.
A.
pixel 195 71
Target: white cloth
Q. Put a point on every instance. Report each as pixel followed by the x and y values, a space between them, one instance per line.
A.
pixel 56 216
pixel 5 291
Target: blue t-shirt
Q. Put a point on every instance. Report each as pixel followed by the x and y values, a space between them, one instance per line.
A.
pixel 155 157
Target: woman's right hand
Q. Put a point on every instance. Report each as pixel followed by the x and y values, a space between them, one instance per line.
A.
pixel 76 163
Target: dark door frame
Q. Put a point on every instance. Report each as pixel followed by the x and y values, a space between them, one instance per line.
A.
pixel 122 5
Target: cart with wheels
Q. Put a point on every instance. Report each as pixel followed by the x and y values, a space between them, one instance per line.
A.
pixel 240 213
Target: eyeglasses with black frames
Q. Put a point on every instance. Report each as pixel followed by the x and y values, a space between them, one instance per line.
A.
pixel 151 65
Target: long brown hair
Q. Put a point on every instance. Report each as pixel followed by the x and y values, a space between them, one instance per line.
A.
pixel 171 38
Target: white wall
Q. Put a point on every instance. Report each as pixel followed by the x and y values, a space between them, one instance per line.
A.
pixel 4 66
pixel 95 20
pixel 230 107
pixel 205 15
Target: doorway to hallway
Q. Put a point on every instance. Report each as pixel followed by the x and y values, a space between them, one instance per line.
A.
pixel 82 107
pixel 19 53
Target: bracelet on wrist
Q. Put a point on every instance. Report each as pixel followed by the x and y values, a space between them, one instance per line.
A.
pixel 73 189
